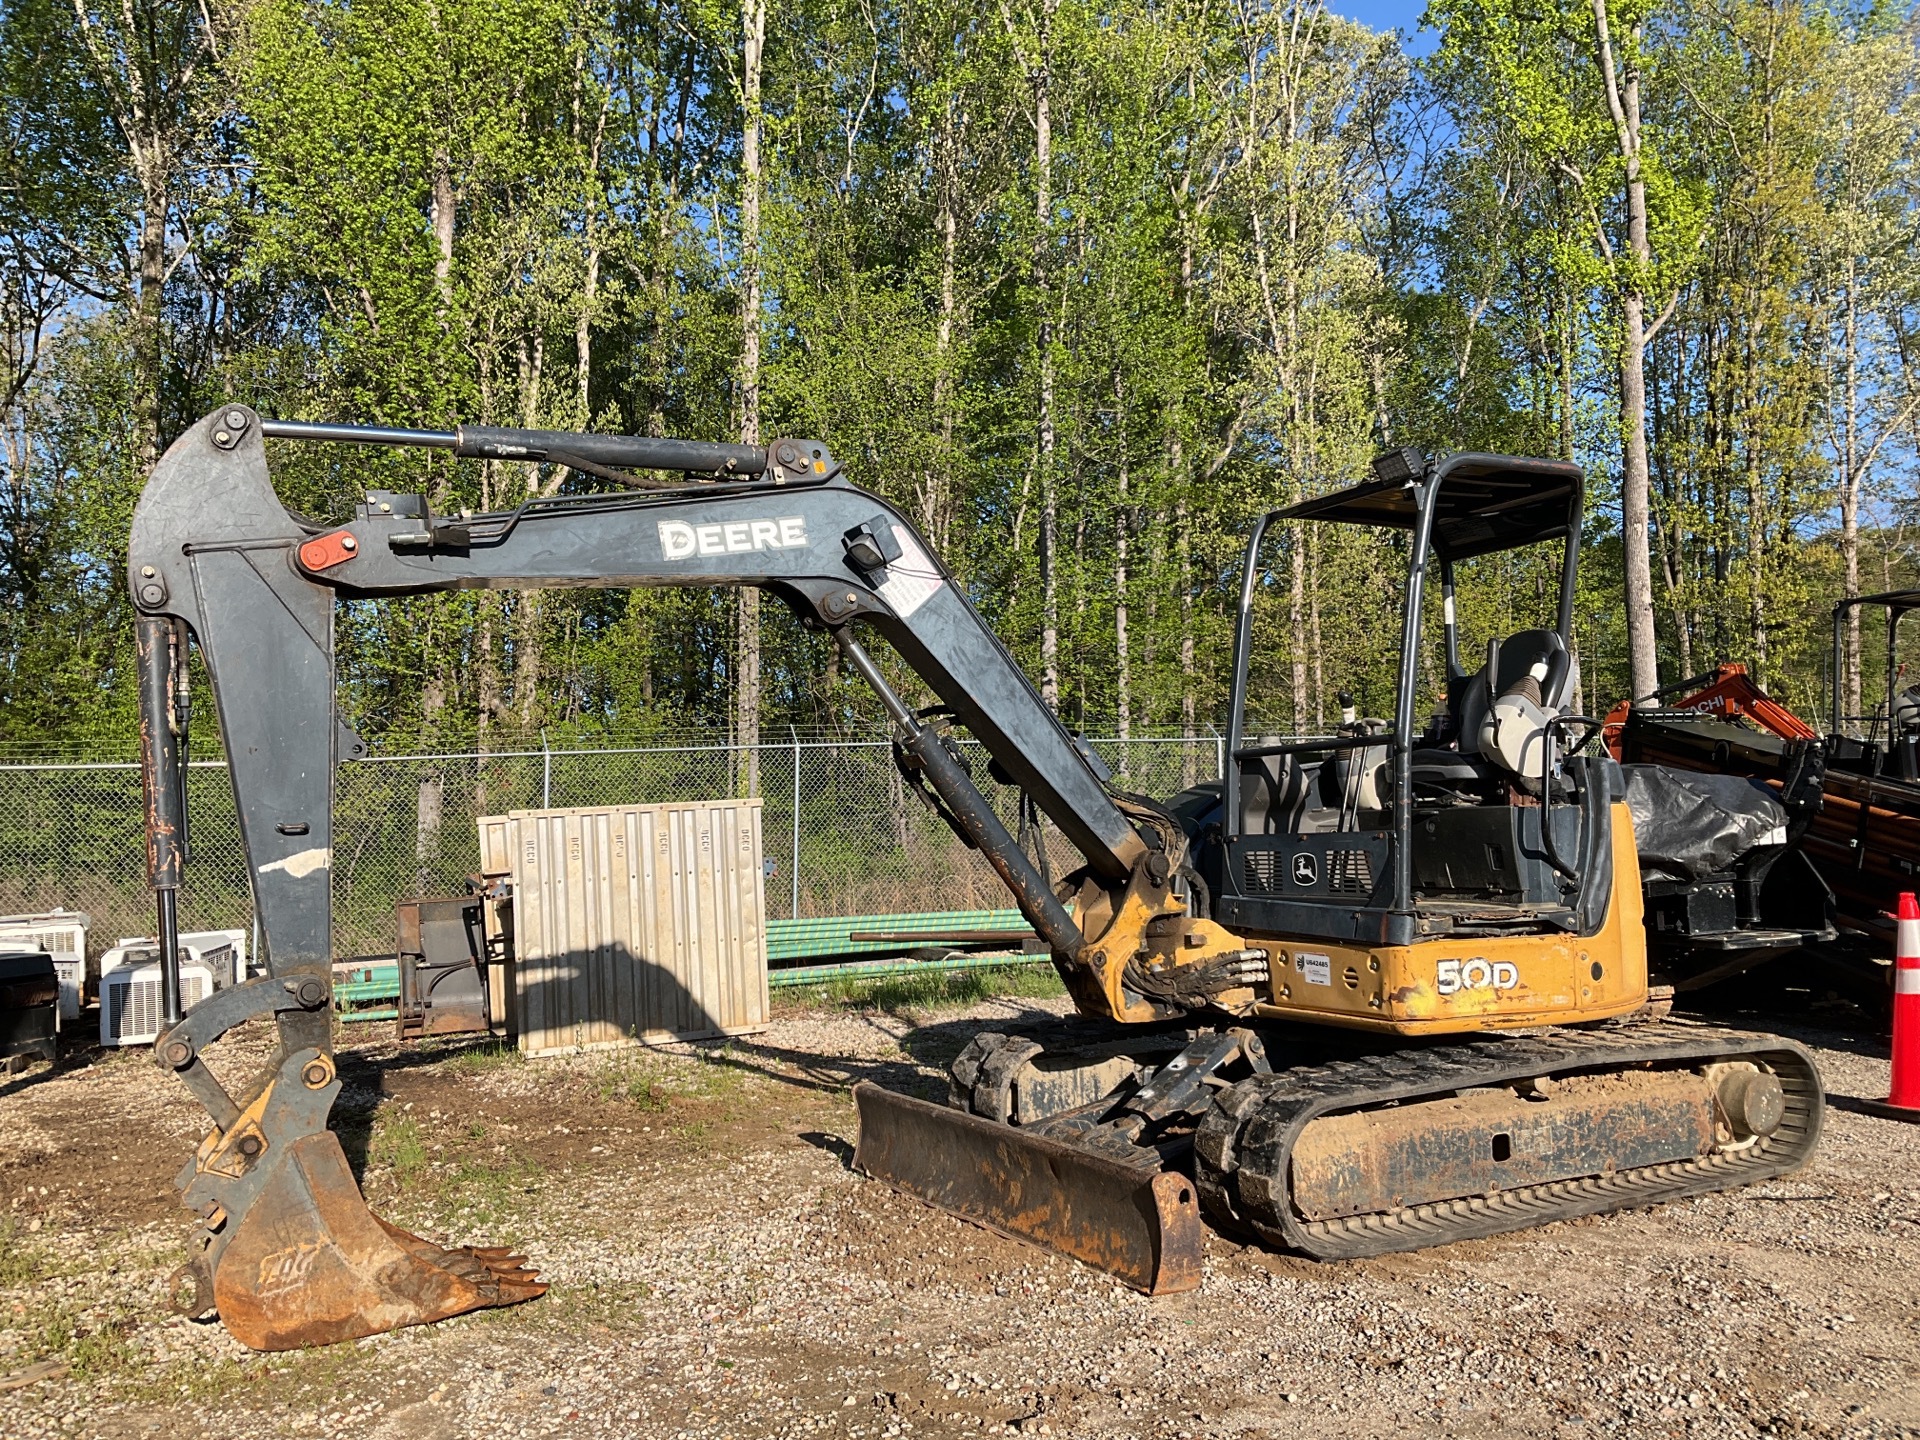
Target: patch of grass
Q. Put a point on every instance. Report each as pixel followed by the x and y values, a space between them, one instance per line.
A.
pixel 489 1192
pixel 930 989
pixel 23 1260
pixel 636 1084
pixel 56 1331
pixel 650 1081
pixel 479 1059
pixel 440 1184
pixel 198 1380
pixel 611 1302
pixel 398 1145
pixel 293 1376
pixel 717 1076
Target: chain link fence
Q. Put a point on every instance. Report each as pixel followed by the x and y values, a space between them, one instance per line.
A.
pixel 841 830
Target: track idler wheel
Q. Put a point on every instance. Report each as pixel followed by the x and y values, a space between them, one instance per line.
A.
pixel 290 1254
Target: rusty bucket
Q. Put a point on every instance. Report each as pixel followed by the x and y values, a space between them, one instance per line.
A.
pixel 290 1256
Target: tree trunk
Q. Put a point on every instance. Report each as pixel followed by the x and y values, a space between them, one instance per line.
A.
pixel 441 210
pixel 430 798
pixel 1636 517
pixel 1566 379
pixel 1297 618
pixel 1850 469
pixel 1123 657
pixel 1623 98
pixel 148 334
pixel 938 492
pixel 1668 533
pixel 1313 630
pixel 1042 245
pixel 1757 556
pixel 583 332
pixel 146 85
pixel 527 657
pixel 747 680
pixel 1183 538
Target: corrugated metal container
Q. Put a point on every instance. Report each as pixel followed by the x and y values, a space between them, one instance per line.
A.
pixel 633 923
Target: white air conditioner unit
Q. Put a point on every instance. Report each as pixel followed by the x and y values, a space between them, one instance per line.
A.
pixel 206 945
pixel 63 935
pixel 71 972
pixel 130 998
pixel 223 952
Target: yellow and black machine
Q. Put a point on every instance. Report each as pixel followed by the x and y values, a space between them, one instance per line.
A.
pixel 1372 991
pixel 1418 895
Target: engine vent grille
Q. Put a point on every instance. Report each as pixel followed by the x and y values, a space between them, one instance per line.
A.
pixel 1331 872
pixel 1349 872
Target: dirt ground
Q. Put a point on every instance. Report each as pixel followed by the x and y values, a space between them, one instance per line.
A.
pixel 719 1271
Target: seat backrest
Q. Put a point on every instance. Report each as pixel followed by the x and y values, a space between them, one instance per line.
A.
pixel 1519 653
pixel 1906 711
pixel 1271 787
pixel 1355 780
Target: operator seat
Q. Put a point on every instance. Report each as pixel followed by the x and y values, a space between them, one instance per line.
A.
pixel 1519 653
pixel 1273 792
pixel 1442 774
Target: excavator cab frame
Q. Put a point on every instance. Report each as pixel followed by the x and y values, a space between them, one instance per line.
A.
pixel 1899 749
pixel 1366 887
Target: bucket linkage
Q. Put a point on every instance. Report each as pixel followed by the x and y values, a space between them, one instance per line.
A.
pixel 288 1254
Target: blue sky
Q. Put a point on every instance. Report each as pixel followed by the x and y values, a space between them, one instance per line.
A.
pixel 1403 15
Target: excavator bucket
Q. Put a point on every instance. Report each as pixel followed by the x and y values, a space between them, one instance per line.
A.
pixel 310 1264
pixel 1139 1224
pixel 290 1254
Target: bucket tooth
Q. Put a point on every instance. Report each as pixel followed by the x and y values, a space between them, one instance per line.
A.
pixel 310 1264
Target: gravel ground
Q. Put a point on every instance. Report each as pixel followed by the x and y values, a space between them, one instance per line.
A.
pixel 719 1271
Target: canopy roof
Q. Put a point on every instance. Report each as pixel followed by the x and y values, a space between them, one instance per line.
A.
pixel 1892 599
pixel 1483 504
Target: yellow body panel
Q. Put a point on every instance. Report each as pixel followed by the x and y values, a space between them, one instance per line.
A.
pixel 1460 983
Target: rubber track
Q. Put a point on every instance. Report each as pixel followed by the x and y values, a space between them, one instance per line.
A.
pixel 1245 1143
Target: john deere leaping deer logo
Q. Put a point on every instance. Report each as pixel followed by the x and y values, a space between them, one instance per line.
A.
pixel 284 1269
pixel 1305 870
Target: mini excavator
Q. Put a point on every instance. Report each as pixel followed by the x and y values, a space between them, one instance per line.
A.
pixel 1372 991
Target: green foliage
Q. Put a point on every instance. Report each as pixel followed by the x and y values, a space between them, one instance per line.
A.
pixel 23 1260
pixel 399 1147
pixel 1271 243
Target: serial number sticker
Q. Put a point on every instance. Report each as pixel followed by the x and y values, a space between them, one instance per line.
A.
pixel 1453 976
pixel 1316 969
pixel 912 579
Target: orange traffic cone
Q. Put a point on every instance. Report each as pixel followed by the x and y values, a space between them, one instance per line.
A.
pixel 1903 1093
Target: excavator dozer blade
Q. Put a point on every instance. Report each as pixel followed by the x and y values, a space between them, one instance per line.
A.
pixel 292 1257
pixel 1139 1224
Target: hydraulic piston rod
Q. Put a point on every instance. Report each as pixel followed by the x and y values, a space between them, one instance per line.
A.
pixel 161 649
pixel 969 809
pixel 491 442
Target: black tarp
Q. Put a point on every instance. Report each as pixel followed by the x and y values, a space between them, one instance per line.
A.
pixel 1687 824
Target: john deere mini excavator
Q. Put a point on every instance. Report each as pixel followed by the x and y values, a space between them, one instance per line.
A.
pixel 1378 990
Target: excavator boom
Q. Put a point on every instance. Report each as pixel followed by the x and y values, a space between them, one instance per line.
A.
pixel 289 1254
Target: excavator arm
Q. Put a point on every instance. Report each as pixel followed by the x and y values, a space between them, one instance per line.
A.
pixel 288 1254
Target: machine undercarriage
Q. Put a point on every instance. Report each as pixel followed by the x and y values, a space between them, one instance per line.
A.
pixel 1340 1147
